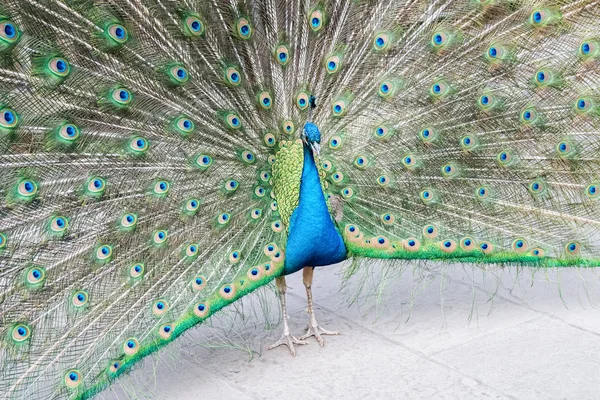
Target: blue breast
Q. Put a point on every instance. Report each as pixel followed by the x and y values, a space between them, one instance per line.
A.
pixel 313 239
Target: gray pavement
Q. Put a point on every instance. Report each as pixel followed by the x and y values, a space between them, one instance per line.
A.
pixel 510 334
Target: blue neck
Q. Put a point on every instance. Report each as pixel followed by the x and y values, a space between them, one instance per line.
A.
pixel 313 239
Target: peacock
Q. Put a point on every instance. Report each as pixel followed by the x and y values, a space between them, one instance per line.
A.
pixel 160 159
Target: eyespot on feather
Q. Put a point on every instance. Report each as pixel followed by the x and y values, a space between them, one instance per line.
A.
pixel 160 307
pixel 448 246
pixel 201 310
pixel 165 331
pixel 430 231
pixel 412 244
pixel 72 378
pixel 520 245
pixel 131 346
pixel 255 273
pixel 227 291
pixel 199 283
pixel 468 244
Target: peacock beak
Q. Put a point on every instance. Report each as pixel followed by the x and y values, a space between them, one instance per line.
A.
pixel 316 148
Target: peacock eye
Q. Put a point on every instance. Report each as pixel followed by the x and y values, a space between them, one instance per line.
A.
pixel 161 187
pixel 9 32
pixel 233 120
pixel 387 89
pixel 223 218
pixel 360 162
pixel 335 142
pixel 564 148
pixel 8 118
pixel 265 100
pixel 27 188
pixel 541 77
pixel 160 236
pixel 131 346
pixel 233 76
pixel 584 105
pixel 449 170
pixel 439 89
pixel 485 100
pixel 439 39
pixel 104 252
pixel 339 108
pixel 193 26
pixel 21 332
pixel 430 231
pixel 409 161
pixel 36 275
pixel 96 185
pixel 529 115
pixel 282 54
pixel 573 248
pixel 80 299
pixel 118 33
pixel 332 64
pixel 537 187
pixel 302 100
pixel 383 180
pixel 59 66
pixel 227 292
pixel 482 192
pixel 204 160
pixel 3 240
pixel 178 74
pixel 448 246
pixel 160 307
pixel 381 41
pixel 244 29
pixel 269 139
pixel 59 224
pixel 276 226
pixel 201 310
pixel 593 191
pixel 231 185
pixel 121 96
pixel 316 20
pixel 588 49
pixel 288 126
pixel 347 193
pixel 72 378
pixel 538 17
pixel 68 133
pixel 248 156
pixel 388 219
pixel 381 131
pixel 128 220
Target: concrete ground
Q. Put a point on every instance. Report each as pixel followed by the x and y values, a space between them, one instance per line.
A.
pixel 463 335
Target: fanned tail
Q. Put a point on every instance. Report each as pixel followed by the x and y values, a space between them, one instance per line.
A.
pixel 137 139
pixel 472 137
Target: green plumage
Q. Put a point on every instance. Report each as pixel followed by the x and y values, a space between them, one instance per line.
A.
pixel 151 156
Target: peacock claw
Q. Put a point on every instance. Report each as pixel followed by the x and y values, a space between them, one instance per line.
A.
pixel 316 331
pixel 289 340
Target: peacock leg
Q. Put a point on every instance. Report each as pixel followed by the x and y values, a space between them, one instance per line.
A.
pixel 313 327
pixel 286 338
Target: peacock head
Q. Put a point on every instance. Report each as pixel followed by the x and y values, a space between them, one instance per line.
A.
pixel 311 136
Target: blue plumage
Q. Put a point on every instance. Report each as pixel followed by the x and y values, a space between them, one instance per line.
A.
pixel 313 239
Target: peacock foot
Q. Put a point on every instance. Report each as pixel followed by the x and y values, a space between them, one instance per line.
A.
pixel 316 331
pixel 289 340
